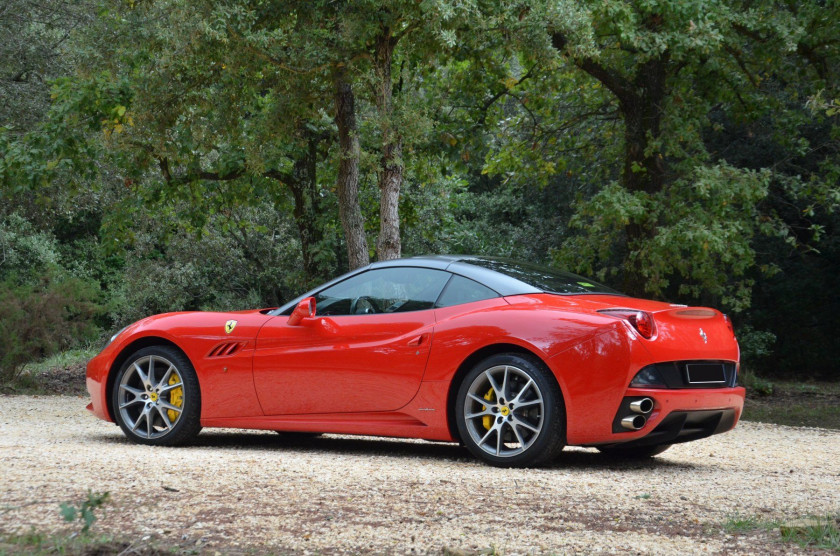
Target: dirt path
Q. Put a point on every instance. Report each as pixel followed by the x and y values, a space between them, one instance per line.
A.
pixel 255 492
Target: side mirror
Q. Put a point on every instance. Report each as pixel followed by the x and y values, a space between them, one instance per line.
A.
pixel 304 310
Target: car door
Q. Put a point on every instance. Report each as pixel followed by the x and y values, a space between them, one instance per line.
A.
pixel 365 349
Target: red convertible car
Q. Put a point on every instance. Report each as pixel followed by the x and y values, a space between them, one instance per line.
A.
pixel 513 360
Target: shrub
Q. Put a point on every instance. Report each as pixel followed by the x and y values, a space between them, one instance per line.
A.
pixel 41 319
pixel 25 253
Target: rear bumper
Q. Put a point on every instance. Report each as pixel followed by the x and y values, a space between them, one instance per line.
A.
pixel 679 416
pixel 685 426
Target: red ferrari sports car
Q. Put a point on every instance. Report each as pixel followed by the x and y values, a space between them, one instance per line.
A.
pixel 513 360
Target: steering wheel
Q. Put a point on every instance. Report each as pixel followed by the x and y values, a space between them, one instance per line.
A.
pixel 363 305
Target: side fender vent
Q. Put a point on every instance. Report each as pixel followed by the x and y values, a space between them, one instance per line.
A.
pixel 225 349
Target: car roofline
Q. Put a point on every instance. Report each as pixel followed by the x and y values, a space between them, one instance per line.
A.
pixel 460 265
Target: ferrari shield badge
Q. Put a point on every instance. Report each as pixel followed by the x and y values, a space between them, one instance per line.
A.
pixel 229 326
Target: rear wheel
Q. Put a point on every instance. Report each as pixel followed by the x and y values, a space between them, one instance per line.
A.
pixel 156 398
pixel 634 452
pixel 509 412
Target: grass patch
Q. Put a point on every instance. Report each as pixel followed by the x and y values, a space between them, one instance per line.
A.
pixel 801 404
pixel 61 360
pixel 743 524
pixel 811 532
pixel 819 532
pixel 63 373
pixel 71 544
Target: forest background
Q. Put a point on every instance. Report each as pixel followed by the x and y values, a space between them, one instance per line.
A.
pixel 163 155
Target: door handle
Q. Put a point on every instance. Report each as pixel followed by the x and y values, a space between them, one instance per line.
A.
pixel 418 340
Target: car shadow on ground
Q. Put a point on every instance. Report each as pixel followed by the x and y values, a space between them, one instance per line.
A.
pixel 570 459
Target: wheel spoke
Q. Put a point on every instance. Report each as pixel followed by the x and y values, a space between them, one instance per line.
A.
pixel 504 383
pixel 144 378
pixel 165 417
pixel 516 433
pixel 136 424
pixel 521 392
pixel 486 436
pixel 152 371
pixel 493 385
pixel 479 399
pixel 525 424
pixel 528 403
pixel 168 405
pixel 168 387
pixel 130 402
pixel 479 414
pixel 499 439
pixel 135 391
pixel 162 383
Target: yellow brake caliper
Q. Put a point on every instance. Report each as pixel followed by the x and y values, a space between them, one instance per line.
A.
pixel 487 420
pixel 176 398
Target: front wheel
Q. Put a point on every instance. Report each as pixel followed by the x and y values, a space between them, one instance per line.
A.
pixel 156 398
pixel 509 412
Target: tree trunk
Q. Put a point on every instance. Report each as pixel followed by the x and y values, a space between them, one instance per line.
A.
pixel 641 102
pixel 347 181
pixel 303 184
pixel 642 111
pixel 644 169
pixel 391 172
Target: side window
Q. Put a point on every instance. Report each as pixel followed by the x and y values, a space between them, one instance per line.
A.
pixel 383 290
pixel 463 290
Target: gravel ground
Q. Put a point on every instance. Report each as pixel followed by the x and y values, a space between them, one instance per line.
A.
pixel 256 492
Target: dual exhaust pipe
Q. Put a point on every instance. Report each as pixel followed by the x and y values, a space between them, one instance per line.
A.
pixel 641 408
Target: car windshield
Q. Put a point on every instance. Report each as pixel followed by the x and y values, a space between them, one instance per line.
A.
pixel 547 279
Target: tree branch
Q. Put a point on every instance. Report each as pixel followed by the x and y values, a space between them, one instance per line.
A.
pixel 617 84
pixel 163 163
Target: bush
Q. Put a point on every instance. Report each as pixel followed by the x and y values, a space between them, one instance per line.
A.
pixel 168 268
pixel 25 253
pixel 41 319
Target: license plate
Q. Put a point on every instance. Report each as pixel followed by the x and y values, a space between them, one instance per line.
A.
pixel 705 373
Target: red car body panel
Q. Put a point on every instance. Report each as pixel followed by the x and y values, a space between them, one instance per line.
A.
pixel 357 363
pixel 395 374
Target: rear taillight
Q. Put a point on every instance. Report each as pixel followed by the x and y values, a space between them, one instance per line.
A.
pixel 640 320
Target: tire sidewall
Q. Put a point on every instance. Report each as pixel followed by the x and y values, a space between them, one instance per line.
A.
pixel 552 432
pixel 188 424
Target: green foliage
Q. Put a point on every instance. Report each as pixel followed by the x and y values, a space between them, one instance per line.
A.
pixel 755 385
pixel 85 511
pixel 44 309
pixel 755 344
pixel 25 253
pixel 822 532
pixel 701 242
pixel 187 156
pixel 39 320
pixel 811 532
pixel 741 524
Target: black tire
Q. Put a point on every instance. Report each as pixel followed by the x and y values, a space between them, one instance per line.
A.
pixel 633 452
pixel 164 409
pixel 518 423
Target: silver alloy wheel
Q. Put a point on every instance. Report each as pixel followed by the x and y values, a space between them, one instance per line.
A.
pixel 150 407
pixel 504 411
